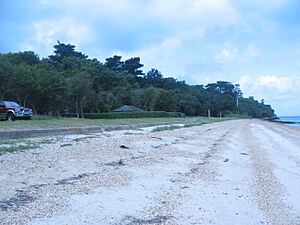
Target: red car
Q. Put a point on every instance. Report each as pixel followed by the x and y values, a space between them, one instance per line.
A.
pixel 12 110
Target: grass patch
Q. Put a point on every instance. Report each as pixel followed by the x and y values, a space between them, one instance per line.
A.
pixel 173 127
pixel 125 115
pixel 45 122
pixel 13 145
pixel 21 146
pixel 193 122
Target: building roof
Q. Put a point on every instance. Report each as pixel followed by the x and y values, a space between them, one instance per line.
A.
pixel 127 108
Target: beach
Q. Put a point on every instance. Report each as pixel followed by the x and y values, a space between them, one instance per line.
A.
pixel 231 172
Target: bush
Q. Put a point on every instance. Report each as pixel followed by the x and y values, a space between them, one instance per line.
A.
pixel 123 115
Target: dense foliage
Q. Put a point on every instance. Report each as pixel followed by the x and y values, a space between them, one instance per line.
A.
pixel 122 115
pixel 70 82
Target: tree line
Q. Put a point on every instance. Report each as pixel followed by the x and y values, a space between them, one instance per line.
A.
pixel 70 82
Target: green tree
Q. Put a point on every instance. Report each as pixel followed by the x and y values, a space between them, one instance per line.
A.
pixel 151 96
pixel 65 50
pixel 114 63
pixel 79 88
pixel 132 66
pixel 68 81
pixel 154 78
pixel 167 101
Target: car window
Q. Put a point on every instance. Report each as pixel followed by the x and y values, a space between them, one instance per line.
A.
pixel 11 104
pixel 2 104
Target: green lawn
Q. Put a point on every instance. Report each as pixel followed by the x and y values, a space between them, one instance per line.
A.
pixel 56 122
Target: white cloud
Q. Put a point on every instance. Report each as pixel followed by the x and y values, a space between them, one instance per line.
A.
pixel 173 13
pixel 160 55
pixel 230 53
pixel 251 52
pixel 281 92
pixel 212 12
pixel 277 84
pixel 184 20
pixel 119 11
pixel 46 33
pixel 268 5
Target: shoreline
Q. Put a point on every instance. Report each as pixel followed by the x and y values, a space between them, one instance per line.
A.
pixel 231 172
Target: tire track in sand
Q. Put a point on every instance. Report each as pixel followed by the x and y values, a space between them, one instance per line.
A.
pixel 268 192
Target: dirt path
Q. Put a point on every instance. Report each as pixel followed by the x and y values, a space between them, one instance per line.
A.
pixel 233 172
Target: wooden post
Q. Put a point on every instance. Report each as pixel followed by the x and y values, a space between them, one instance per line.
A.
pixel 208 113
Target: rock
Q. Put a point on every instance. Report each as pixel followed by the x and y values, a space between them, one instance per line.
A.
pixel 65 145
pixel 243 153
pixel 121 163
pixel 124 146
pixel 185 187
pixel 118 163
pixel 226 160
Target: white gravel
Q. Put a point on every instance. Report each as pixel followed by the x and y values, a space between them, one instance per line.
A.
pixel 233 172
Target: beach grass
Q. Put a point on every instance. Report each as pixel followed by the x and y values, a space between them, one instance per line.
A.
pixel 13 145
pixel 40 122
pixel 197 121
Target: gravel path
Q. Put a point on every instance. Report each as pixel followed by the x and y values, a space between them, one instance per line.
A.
pixel 233 172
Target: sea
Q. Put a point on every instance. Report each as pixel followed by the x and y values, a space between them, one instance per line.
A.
pixel 291 119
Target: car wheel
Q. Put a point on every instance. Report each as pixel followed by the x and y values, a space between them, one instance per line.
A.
pixel 11 116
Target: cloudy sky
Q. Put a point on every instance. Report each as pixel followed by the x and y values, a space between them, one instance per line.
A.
pixel 251 42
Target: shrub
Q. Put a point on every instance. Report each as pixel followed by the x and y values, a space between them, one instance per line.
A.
pixel 123 115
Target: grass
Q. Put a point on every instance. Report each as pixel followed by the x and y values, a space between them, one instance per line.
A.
pixel 17 146
pixel 13 145
pixel 56 122
pixel 40 122
pixel 197 121
pixel 172 127
pixel 14 148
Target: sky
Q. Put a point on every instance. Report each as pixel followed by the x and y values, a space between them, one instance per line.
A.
pixel 250 42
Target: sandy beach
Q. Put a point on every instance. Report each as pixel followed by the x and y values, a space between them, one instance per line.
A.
pixel 233 172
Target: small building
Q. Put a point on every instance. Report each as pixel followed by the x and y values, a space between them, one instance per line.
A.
pixel 127 108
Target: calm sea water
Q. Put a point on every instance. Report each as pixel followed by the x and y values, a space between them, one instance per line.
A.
pixel 291 119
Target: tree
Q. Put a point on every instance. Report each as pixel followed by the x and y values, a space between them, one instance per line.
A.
pixel 65 50
pixel 29 84
pixel 79 88
pixel 154 78
pixel 151 96
pixel 137 97
pixel 167 101
pixel 68 81
pixel 170 83
pixel 132 65
pixel 7 74
pixel 54 96
pixel 114 63
pixel 223 97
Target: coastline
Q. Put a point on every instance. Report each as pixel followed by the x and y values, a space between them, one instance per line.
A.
pixel 293 121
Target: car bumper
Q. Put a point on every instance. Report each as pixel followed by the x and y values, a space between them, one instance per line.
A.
pixel 23 114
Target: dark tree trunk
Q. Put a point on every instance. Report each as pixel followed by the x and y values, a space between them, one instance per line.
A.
pixel 77 108
pixel 34 109
pixel 81 107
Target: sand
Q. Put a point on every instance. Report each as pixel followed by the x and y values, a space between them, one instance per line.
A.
pixel 233 172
